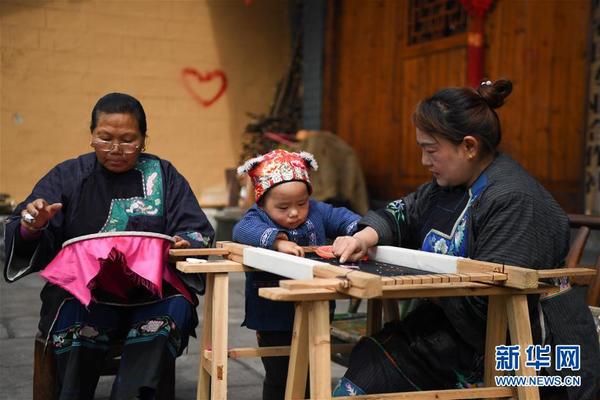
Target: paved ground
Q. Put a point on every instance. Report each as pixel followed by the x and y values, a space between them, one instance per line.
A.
pixel 19 308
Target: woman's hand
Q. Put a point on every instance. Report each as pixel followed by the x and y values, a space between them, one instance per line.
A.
pixel 288 247
pixel 38 214
pixel 348 248
pixel 180 243
pixel 353 248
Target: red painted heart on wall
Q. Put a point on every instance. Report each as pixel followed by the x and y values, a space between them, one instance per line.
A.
pixel 190 76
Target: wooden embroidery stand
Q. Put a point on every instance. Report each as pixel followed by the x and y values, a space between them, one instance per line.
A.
pixel 311 339
pixel 214 352
pixel 311 346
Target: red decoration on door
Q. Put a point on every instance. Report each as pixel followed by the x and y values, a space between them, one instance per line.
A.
pixel 475 55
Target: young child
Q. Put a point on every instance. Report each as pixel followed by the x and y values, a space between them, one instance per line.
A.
pixel 283 219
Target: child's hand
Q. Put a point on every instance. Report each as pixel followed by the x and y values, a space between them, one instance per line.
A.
pixel 349 248
pixel 180 243
pixel 288 247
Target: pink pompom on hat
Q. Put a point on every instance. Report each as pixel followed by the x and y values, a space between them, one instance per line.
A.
pixel 277 167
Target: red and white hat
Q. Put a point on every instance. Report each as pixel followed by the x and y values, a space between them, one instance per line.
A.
pixel 277 167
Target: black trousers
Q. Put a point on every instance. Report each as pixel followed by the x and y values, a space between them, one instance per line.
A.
pixel 276 368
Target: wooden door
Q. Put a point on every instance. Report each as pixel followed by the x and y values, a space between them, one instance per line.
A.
pixel 379 63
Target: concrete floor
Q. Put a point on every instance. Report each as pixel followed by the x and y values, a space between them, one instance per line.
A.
pixel 19 308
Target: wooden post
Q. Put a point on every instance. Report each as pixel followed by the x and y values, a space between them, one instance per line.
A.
pixel 374 309
pixel 390 310
pixel 203 389
pixel 218 369
pixel 319 347
pixel 298 366
pixel 495 336
pixel 520 332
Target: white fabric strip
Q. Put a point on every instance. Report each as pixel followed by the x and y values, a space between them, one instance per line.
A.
pixel 416 259
pixel 278 263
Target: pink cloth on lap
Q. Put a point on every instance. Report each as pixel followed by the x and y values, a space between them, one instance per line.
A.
pixel 114 264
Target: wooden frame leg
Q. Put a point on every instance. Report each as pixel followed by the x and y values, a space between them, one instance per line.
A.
pixel 203 390
pixel 298 366
pixel 218 370
pixel 391 311
pixel 495 336
pixel 319 348
pixel 520 332
pixel 374 310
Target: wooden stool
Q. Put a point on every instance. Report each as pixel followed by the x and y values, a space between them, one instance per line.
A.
pixel 45 381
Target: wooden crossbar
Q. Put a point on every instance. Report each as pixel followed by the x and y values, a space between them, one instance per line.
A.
pixel 360 283
pixel 334 284
pixel 560 272
pixel 179 253
pixel 212 266
pixel 338 283
pixel 517 277
pixel 273 351
pixel 445 278
pixel 450 394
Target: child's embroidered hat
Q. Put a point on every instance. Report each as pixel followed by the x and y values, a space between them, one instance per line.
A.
pixel 277 167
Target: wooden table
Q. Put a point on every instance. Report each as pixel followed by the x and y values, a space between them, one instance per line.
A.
pixel 311 346
pixel 214 351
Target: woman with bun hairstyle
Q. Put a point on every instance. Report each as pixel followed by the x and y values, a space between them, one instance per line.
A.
pixel 483 205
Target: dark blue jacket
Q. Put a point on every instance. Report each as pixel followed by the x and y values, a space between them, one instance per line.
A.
pixel 257 229
pixel 175 211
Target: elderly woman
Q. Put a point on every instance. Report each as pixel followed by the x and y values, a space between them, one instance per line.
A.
pixel 118 187
pixel 483 205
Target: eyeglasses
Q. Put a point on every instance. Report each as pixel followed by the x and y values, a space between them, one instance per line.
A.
pixel 106 146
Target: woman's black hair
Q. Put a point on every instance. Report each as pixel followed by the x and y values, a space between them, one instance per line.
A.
pixel 457 112
pixel 119 103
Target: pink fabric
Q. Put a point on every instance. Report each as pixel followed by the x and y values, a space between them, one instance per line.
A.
pixel 115 264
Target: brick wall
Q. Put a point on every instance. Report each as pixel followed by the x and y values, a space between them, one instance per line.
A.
pixel 59 57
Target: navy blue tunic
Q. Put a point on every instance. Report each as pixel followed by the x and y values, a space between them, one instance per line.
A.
pixel 152 197
pixel 257 229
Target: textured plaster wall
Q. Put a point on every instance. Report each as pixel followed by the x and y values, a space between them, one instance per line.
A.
pixel 59 57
